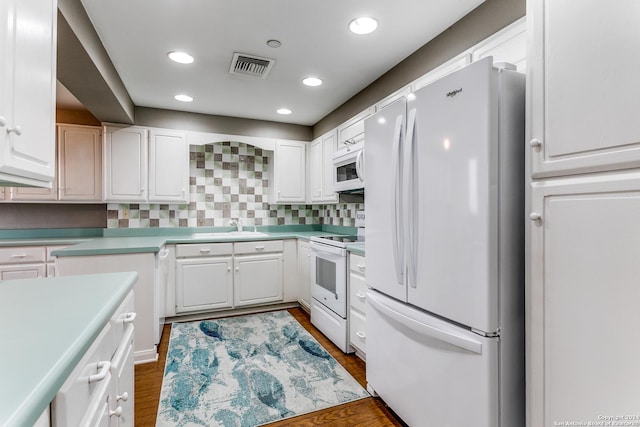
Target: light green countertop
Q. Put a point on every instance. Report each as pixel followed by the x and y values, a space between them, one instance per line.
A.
pixel 46 327
pixel 356 248
pixel 127 245
pixel 128 241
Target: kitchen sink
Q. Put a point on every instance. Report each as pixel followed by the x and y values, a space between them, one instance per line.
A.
pixel 228 234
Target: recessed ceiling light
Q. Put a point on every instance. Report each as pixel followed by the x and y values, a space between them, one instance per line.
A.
pixel 180 57
pixel 274 43
pixel 284 111
pixel 363 25
pixel 183 98
pixel 312 81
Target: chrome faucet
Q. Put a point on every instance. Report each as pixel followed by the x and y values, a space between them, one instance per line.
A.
pixel 237 223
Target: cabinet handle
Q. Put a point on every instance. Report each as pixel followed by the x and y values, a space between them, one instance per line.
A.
pixel 237 268
pixel 229 269
pixel 16 129
pixel 124 396
pixel 205 250
pixel 128 318
pixel 259 248
pixel 361 267
pixel 19 256
pixel 535 216
pixel 104 370
pixel 3 121
pixel 361 296
pixel 117 412
pixel 361 335
pixel 535 143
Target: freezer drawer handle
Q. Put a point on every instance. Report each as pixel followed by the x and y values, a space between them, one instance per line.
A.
pixel 426 330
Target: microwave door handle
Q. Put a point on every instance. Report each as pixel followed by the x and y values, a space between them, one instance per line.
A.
pixel 396 228
pixel 359 165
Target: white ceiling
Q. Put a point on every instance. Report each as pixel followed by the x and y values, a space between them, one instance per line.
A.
pixel 137 35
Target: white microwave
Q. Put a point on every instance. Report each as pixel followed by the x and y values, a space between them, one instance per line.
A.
pixel 348 168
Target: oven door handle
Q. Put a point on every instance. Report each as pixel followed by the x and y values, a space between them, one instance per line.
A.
pixel 321 249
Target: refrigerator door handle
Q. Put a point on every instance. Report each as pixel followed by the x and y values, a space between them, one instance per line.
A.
pixel 411 200
pixel 397 226
pixel 359 158
pixel 425 330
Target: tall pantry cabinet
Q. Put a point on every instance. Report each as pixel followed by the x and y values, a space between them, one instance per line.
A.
pixel 583 273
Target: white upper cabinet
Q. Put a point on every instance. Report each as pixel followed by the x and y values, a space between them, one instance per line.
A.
pixel 27 91
pixel 289 173
pixel 583 90
pixel 321 169
pixel 352 131
pixel 125 163
pixel 79 163
pixel 315 170
pixel 168 166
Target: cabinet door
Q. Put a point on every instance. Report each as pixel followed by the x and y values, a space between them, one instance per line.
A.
pixel 315 170
pixel 79 163
pixel 168 166
pixel 258 279
pixel 289 172
pixel 22 271
pixel 583 295
pixel 583 90
pixel 304 275
pixel 122 393
pixel 125 161
pixel 27 90
pixel 203 284
pixel 328 148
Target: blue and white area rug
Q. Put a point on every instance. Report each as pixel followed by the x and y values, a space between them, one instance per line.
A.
pixel 247 371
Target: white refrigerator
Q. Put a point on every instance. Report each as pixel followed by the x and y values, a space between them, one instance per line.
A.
pixel 445 250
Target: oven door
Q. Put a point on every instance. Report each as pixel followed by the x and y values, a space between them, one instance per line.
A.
pixel 349 169
pixel 329 277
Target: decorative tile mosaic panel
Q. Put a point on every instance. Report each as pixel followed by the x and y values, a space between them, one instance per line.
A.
pixel 229 180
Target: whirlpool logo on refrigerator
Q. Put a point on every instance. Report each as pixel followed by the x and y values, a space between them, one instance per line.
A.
pixel 453 93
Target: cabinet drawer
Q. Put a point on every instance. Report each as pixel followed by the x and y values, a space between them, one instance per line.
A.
pixel 22 254
pixel 22 271
pixel 203 249
pixel 81 392
pixel 357 263
pixel 258 247
pixel 357 292
pixel 357 331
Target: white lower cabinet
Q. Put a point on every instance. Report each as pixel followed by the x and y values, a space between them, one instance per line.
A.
pixel 217 276
pixel 258 272
pixel 122 390
pixel 145 288
pixel 583 298
pixel 258 279
pixel 304 274
pixel 357 304
pixel 22 262
pixel 203 284
pixel 93 393
pixel 204 280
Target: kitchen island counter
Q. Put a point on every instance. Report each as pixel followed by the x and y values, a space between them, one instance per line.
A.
pixel 47 326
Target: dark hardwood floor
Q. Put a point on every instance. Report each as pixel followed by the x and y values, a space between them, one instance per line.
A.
pixel 369 412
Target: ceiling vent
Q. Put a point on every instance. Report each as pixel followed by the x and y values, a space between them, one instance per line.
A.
pixel 250 65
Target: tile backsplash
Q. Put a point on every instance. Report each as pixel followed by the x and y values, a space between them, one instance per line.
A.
pixel 227 181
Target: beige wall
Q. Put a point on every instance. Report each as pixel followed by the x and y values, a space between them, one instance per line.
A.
pixel 15 216
pixel 181 120
pixel 485 20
